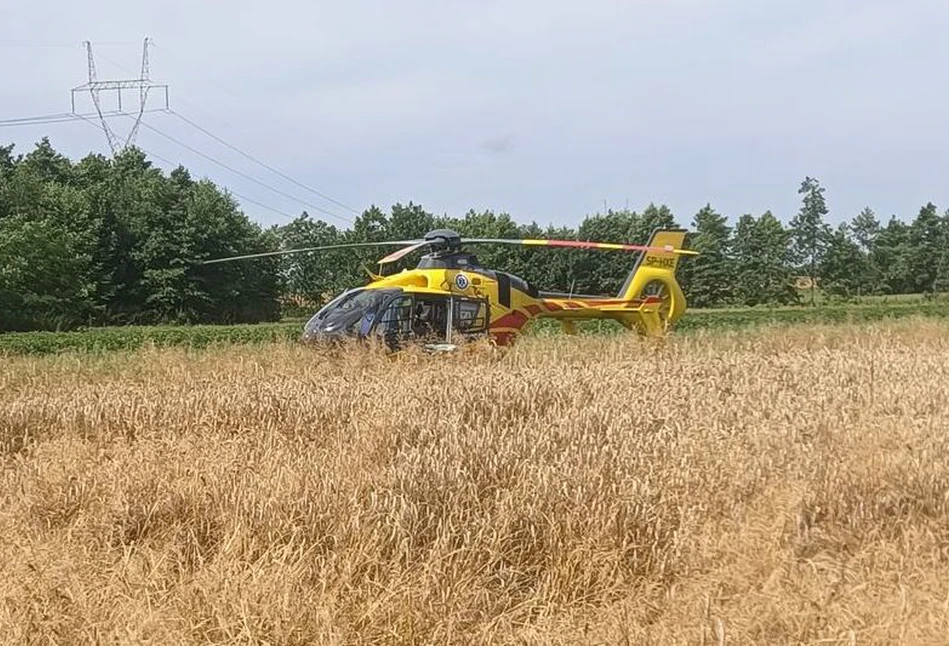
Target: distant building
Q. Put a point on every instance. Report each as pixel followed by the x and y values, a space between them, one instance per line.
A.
pixel 805 282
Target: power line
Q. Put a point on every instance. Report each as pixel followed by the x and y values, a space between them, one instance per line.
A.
pixel 179 99
pixel 62 118
pixel 68 117
pixel 260 163
pixel 242 174
pixel 244 198
pixel 36 44
pixel 56 43
pixel 171 163
pixel 39 117
pixel 40 122
pixel 221 141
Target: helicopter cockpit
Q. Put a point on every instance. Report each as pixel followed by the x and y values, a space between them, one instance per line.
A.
pixel 394 315
pixel 352 313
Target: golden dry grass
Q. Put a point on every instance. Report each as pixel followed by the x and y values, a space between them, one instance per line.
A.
pixel 770 487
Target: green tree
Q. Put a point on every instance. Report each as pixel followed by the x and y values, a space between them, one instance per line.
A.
pixel 7 161
pixel 603 272
pixel 865 228
pixel 409 222
pixel 653 217
pixel 941 283
pixel 809 232
pixel 708 279
pixel 371 225
pixel 893 256
pixel 313 278
pixel 487 224
pixel 44 275
pixel 8 164
pixel 844 266
pixel 549 269
pixel 107 241
pixel 406 222
pixel 926 246
pixel 761 249
pixel 236 292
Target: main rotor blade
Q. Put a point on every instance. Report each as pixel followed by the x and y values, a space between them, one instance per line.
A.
pixel 395 255
pixel 580 244
pixel 306 249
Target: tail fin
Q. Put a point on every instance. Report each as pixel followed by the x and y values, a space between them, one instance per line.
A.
pixel 653 275
pixel 655 260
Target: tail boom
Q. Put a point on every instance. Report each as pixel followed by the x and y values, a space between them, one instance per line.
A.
pixel 650 300
pixel 643 315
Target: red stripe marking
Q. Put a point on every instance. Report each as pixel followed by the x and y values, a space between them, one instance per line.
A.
pixel 533 309
pixel 515 319
pixel 599 245
pixel 601 302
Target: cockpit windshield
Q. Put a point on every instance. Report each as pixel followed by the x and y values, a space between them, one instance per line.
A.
pixel 352 312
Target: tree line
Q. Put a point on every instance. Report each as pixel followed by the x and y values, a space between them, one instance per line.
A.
pixel 113 241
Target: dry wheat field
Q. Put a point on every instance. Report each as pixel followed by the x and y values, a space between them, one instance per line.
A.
pixel 772 487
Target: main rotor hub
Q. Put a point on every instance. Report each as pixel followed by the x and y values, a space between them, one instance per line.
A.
pixel 443 240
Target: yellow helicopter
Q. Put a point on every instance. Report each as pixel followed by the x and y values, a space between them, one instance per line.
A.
pixel 450 296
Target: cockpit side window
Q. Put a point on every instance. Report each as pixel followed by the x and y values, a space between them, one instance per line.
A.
pixel 470 316
pixel 430 316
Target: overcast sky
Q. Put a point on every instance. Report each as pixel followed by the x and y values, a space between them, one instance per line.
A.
pixel 542 109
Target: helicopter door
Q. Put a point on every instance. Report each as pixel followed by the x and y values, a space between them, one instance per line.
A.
pixel 395 322
pixel 469 316
pixel 397 317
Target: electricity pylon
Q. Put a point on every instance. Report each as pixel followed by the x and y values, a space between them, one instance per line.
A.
pixel 95 87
